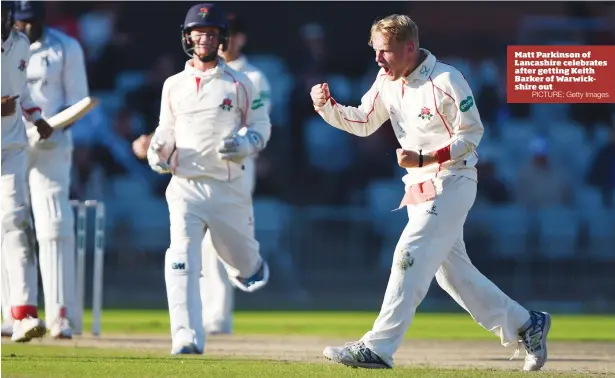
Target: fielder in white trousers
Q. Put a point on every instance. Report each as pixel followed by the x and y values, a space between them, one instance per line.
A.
pixel 217 291
pixel 434 116
pixel 432 245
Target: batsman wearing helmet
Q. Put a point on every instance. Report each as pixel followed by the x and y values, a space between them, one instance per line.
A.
pixel 56 79
pixel 17 245
pixel 211 121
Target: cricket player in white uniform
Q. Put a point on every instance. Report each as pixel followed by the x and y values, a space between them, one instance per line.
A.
pixel 57 79
pixel 216 288
pixel 432 110
pixel 211 120
pixel 17 235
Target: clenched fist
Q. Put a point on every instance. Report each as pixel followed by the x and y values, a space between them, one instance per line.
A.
pixel 407 159
pixel 320 94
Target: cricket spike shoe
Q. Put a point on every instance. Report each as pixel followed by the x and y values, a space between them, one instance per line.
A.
pixel 251 284
pixel 356 354
pixel 534 340
pixel 27 329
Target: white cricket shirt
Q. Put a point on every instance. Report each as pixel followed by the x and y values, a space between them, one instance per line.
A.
pixel 432 109
pixel 200 109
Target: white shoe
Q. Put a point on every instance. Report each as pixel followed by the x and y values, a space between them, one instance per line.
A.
pixel 251 284
pixel 60 329
pixel 28 328
pixel 184 342
pixel 534 340
pixel 189 348
pixel 7 329
pixel 356 354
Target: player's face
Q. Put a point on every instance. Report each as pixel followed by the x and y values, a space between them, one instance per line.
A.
pixel 205 40
pixel 393 56
pixel 32 29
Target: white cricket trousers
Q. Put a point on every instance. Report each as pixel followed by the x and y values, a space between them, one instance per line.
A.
pixel 17 235
pixel 432 244
pixel 223 209
pixel 217 292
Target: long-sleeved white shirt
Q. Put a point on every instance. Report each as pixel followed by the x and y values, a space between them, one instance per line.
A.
pixel 258 79
pixel 57 75
pixel 432 110
pixel 15 57
pixel 199 109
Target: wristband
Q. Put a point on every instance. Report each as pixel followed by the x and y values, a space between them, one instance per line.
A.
pixel 420 158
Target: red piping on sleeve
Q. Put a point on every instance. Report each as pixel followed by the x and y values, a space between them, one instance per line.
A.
pixel 333 102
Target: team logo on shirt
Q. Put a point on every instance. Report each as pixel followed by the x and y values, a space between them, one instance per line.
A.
pixel 22 65
pixel 466 104
pixel 426 114
pixel 203 12
pixel 227 104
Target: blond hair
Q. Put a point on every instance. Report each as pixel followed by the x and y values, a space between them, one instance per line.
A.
pixel 397 26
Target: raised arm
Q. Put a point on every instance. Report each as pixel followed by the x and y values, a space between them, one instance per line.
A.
pixel 361 121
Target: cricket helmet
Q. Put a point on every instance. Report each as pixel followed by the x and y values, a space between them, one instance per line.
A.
pixel 203 15
pixel 29 10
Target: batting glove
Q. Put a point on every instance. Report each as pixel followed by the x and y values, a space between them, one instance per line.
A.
pixel 239 145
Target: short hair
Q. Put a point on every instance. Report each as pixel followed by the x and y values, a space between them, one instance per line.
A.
pixel 397 26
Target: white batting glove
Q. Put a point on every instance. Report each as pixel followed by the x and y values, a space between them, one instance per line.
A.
pixel 239 145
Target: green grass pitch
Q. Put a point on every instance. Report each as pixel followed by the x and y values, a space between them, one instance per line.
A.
pixel 33 360
pixel 354 324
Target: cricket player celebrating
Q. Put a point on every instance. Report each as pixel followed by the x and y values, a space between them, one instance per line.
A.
pixel 57 79
pixel 17 249
pixel 432 110
pixel 216 288
pixel 211 121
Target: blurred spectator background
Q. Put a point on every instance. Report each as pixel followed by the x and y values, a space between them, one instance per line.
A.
pixel 542 228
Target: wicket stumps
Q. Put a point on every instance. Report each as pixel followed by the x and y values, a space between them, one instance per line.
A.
pixel 82 208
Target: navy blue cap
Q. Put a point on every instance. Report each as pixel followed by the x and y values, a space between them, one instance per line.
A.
pixel 29 10
pixel 205 14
